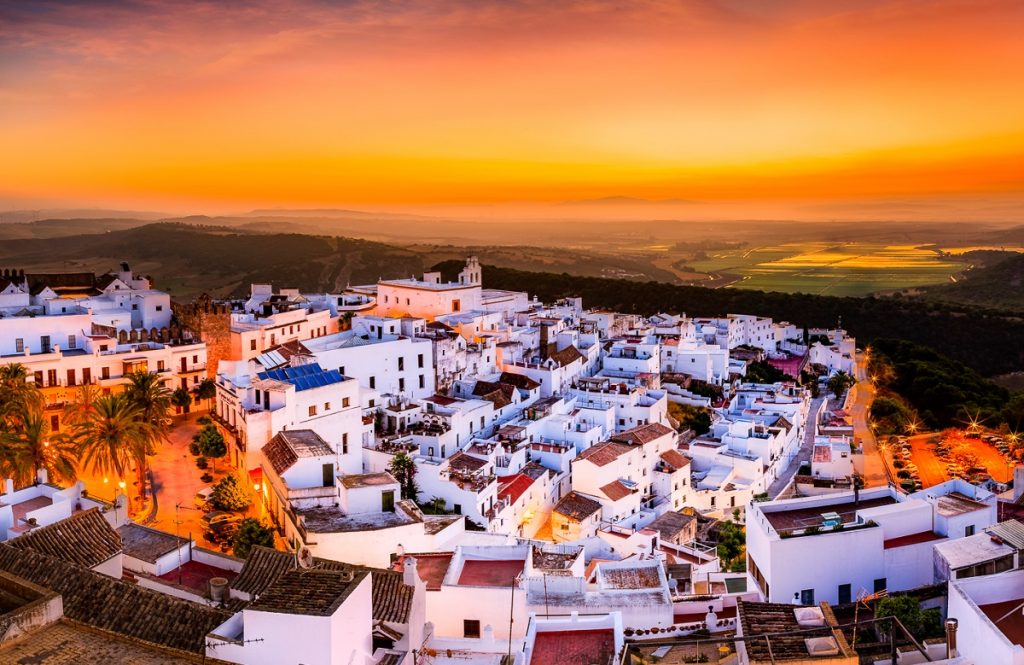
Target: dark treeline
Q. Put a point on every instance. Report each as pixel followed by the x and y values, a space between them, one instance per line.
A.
pixel 990 344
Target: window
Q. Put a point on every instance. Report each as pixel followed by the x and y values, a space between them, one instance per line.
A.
pixel 401 385
pixel 195 359
pixel 19 345
pixel 419 361
pixel 372 403
pixel 423 382
pixel 341 370
pixel 86 375
pixel 312 410
pixel 38 376
pixel 344 443
pixel 456 305
pixel 845 592
pixel 51 377
pixel 880 584
pixel 401 364
pixel 328 475
pixel 252 345
pixel 71 377
pixel 969 530
pixel 327 406
pixel 273 339
pixel 807 597
pixel 457 508
pixel 345 401
pixel 471 628
pixel 160 366
pixel 387 501
pixel 72 342
pixel 159 308
pixel 135 306
pixel 373 383
pixel 44 344
pixel 54 423
pixel 104 372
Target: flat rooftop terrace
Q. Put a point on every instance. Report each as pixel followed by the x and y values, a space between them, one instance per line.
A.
pixel 1013 625
pixel 574 647
pixel 801 518
pixel 477 572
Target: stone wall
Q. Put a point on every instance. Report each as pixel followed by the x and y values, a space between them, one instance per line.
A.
pixel 211 322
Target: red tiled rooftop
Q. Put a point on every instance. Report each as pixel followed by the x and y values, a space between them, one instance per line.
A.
pixel 574 647
pixel 196 575
pixel 801 518
pixel 912 539
pixel 432 568
pixel 1013 623
pixel 490 573
pixel 514 487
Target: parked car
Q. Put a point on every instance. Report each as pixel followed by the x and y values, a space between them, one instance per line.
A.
pixel 202 498
pixel 217 518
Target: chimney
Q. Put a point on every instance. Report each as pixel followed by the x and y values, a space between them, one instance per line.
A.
pixel 43 476
pixel 9 486
pixel 410 576
pixel 951 625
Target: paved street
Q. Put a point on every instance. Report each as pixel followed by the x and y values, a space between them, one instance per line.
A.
pixel 861 396
pixel 802 455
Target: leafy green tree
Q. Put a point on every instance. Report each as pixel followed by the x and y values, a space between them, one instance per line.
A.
pixel 206 390
pixel 182 399
pixel 403 468
pixel 763 372
pixel 209 442
pixel 18 396
pixel 251 532
pixel 922 624
pixel 229 494
pixel 690 417
pixel 731 545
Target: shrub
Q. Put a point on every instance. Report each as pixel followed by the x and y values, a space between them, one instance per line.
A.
pixel 228 494
pixel 206 478
pixel 251 532
pixel 201 462
pixel 204 420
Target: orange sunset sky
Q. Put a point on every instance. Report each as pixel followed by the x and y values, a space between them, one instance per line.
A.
pixel 757 107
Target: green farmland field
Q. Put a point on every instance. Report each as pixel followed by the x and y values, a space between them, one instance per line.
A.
pixel 844 269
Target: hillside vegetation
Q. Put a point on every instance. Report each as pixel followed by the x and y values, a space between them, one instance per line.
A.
pixel 998 285
pixel 188 260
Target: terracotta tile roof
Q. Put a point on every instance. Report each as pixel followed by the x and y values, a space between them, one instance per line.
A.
pixel 567 356
pixel 642 434
pixel 603 454
pixel 615 490
pixel 261 569
pixel 499 393
pixel 313 591
pixel 147 544
pixel 368 480
pixel 285 449
pixel 460 461
pixel 675 459
pixel 577 506
pixel 512 487
pixel 774 618
pixel 912 539
pixel 496 397
pixel 392 598
pixel 85 538
pixel 822 454
pixel 670 524
pixel 116 606
pixel 639 577
pixel 520 381
pixel 574 647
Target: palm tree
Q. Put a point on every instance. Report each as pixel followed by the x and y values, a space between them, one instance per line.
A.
pixel 147 391
pixel 113 434
pixel 33 447
pixel 18 396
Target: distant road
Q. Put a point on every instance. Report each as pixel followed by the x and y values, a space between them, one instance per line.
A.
pixel 861 396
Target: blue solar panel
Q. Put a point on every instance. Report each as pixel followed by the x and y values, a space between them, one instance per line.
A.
pixel 304 377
